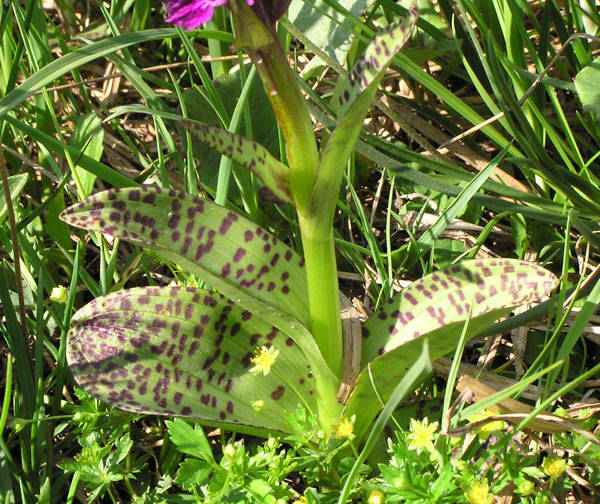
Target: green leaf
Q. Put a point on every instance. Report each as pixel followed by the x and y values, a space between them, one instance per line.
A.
pixel 109 175
pixel 230 253
pixel 260 488
pixel 447 250
pixel 586 84
pixel 87 127
pixel 437 307
pixel 519 230
pixel 122 448
pixel 190 440
pixel 325 27
pixel 193 472
pixel 386 371
pixel 186 351
pixel 15 186
pixel 247 153
pixel 57 230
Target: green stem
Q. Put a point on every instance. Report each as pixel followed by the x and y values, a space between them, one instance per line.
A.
pixel 323 294
pixel 290 108
pixel 7 393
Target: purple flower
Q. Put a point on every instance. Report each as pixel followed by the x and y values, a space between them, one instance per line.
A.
pixel 190 14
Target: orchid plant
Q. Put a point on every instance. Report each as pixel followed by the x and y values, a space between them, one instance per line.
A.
pixel 268 336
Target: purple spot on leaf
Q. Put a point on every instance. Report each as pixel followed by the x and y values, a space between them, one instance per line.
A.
pixel 239 253
pixel 277 393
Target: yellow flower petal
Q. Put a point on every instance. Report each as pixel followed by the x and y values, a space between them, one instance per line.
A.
pixel 263 360
pixel 478 493
pixel 554 466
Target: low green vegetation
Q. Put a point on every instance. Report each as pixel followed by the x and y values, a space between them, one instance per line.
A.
pixel 308 252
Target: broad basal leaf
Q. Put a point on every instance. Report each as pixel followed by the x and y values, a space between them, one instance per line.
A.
pixel 446 296
pixel 227 251
pixel 247 153
pixel 437 307
pixel 386 371
pixel 187 351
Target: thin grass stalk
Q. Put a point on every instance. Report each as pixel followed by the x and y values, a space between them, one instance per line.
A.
pixel 61 371
pixel 39 430
pixel 16 258
pixel 8 380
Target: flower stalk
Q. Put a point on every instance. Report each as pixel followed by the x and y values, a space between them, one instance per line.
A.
pixel 287 101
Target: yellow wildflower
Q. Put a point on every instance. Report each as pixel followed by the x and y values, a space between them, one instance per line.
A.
pixel 263 360
pixel 554 466
pixel 344 427
pixel 421 435
pixel 478 493
pixel 376 497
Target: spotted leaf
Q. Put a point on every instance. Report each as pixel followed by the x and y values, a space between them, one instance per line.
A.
pixel 230 253
pixel 437 307
pixel 446 296
pixel 187 351
pixel 247 153
pixel 354 103
pixel 371 66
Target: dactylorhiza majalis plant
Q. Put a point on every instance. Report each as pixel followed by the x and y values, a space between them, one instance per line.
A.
pixel 271 339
